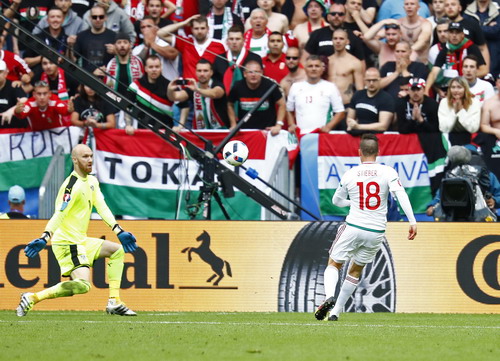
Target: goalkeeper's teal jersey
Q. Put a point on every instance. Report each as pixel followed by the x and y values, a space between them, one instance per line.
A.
pixel 75 200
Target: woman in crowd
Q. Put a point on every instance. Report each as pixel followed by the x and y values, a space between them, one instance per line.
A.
pixel 459 113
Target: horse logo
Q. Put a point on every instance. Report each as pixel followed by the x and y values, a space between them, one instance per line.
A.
pixel 208 256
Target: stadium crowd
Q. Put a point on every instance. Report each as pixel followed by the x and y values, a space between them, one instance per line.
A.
pixel 427 67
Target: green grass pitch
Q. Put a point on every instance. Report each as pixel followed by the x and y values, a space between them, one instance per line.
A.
pixel 88 336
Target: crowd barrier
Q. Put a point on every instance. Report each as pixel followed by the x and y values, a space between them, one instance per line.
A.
pixel 267 266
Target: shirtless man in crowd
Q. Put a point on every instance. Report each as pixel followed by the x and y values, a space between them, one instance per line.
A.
pixel 296 73
pixel 416 30
pixel 344 69
pixel 276 21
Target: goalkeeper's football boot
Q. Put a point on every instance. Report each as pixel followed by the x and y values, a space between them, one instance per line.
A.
pixel 115 307
pixel 25 304
pixel 324 309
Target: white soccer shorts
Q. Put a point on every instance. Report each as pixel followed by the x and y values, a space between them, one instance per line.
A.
pixel 357 244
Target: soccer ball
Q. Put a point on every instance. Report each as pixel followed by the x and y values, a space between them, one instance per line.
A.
pixel 235 153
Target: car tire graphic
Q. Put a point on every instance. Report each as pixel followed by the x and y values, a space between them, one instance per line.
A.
pixel 301 287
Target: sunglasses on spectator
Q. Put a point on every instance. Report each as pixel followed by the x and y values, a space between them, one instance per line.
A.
pixel 291 57
pixel 392 26
pixel 100 17
pixel 339 13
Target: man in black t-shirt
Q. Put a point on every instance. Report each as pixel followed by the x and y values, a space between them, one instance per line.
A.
pixel 320 41
pixel 246 93
pixel 96 44
pixel 221 19
pixel 393 71
pixel 9 97
pixel 371 109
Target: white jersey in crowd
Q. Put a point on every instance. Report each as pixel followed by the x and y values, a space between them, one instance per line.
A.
pixel 368 186
pixel 482 90
pixel 314 103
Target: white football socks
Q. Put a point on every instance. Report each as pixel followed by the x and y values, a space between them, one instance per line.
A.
pixel 330 279
pixel 346 291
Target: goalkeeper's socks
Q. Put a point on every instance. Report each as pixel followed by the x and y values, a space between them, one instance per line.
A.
pixel 63 289
pixel 115 270
pixel 346 291
pixel 330 279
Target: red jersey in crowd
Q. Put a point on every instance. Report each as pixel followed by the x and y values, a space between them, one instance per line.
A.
pixel 51 117
pixel 15 64
pixel 276 70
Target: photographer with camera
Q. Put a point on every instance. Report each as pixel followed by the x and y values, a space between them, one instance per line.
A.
pixel 207 95
pixel 464 162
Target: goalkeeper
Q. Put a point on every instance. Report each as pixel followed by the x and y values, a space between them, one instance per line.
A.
pixel 75 252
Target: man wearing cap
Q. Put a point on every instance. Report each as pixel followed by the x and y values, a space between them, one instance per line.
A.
pixel 417 113
pixel 315 11
pixel 16 204
pixel 9 97
pixel 394 72
pixel 471 27
pixel 450 59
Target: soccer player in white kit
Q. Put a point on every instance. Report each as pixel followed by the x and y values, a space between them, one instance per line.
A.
pixel 365 189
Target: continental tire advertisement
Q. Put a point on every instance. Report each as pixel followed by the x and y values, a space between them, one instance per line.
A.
pixel 267 266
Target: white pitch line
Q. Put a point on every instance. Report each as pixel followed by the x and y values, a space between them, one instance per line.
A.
pixel 319 324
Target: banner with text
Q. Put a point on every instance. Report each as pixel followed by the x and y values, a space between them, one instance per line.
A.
pixel 144 176
pixel 326 157
pixel 267 266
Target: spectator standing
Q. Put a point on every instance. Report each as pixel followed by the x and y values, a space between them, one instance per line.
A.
pixel 53 35
pixel 316 11
pixel 385 50
pixel 59 83
pixel 486 12
pixel 117 19
pixel 459 113
pixel 193 47
pixel 437 12
pixel 43 110
pixel 17 70
pixel 314 103
pixel 153 45
pixel 207 95
pixel 394 9
pixel 9 96
pixel 227 66
pixel 450 59
pixel 395 73
pixel 359 13
pixel 276 21
pixel 274 62
pixel 154 11
pixel 471 28
pixel 481 89
pixel 151 93
pixel 91 111
pixel 256 37
pixel 371 109
pixel 72 23
pixel 416 112
pixel 344 69
pixel 247 93
pixel 296 72
pixel 96 44
pixel 320 41
pixel 221 19
pixel 17 200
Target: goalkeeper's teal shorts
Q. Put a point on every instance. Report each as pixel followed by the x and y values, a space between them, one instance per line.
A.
pixel 73 256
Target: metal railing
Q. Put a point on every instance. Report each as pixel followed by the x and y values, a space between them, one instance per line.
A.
pixel 283 179
pixel 51 182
